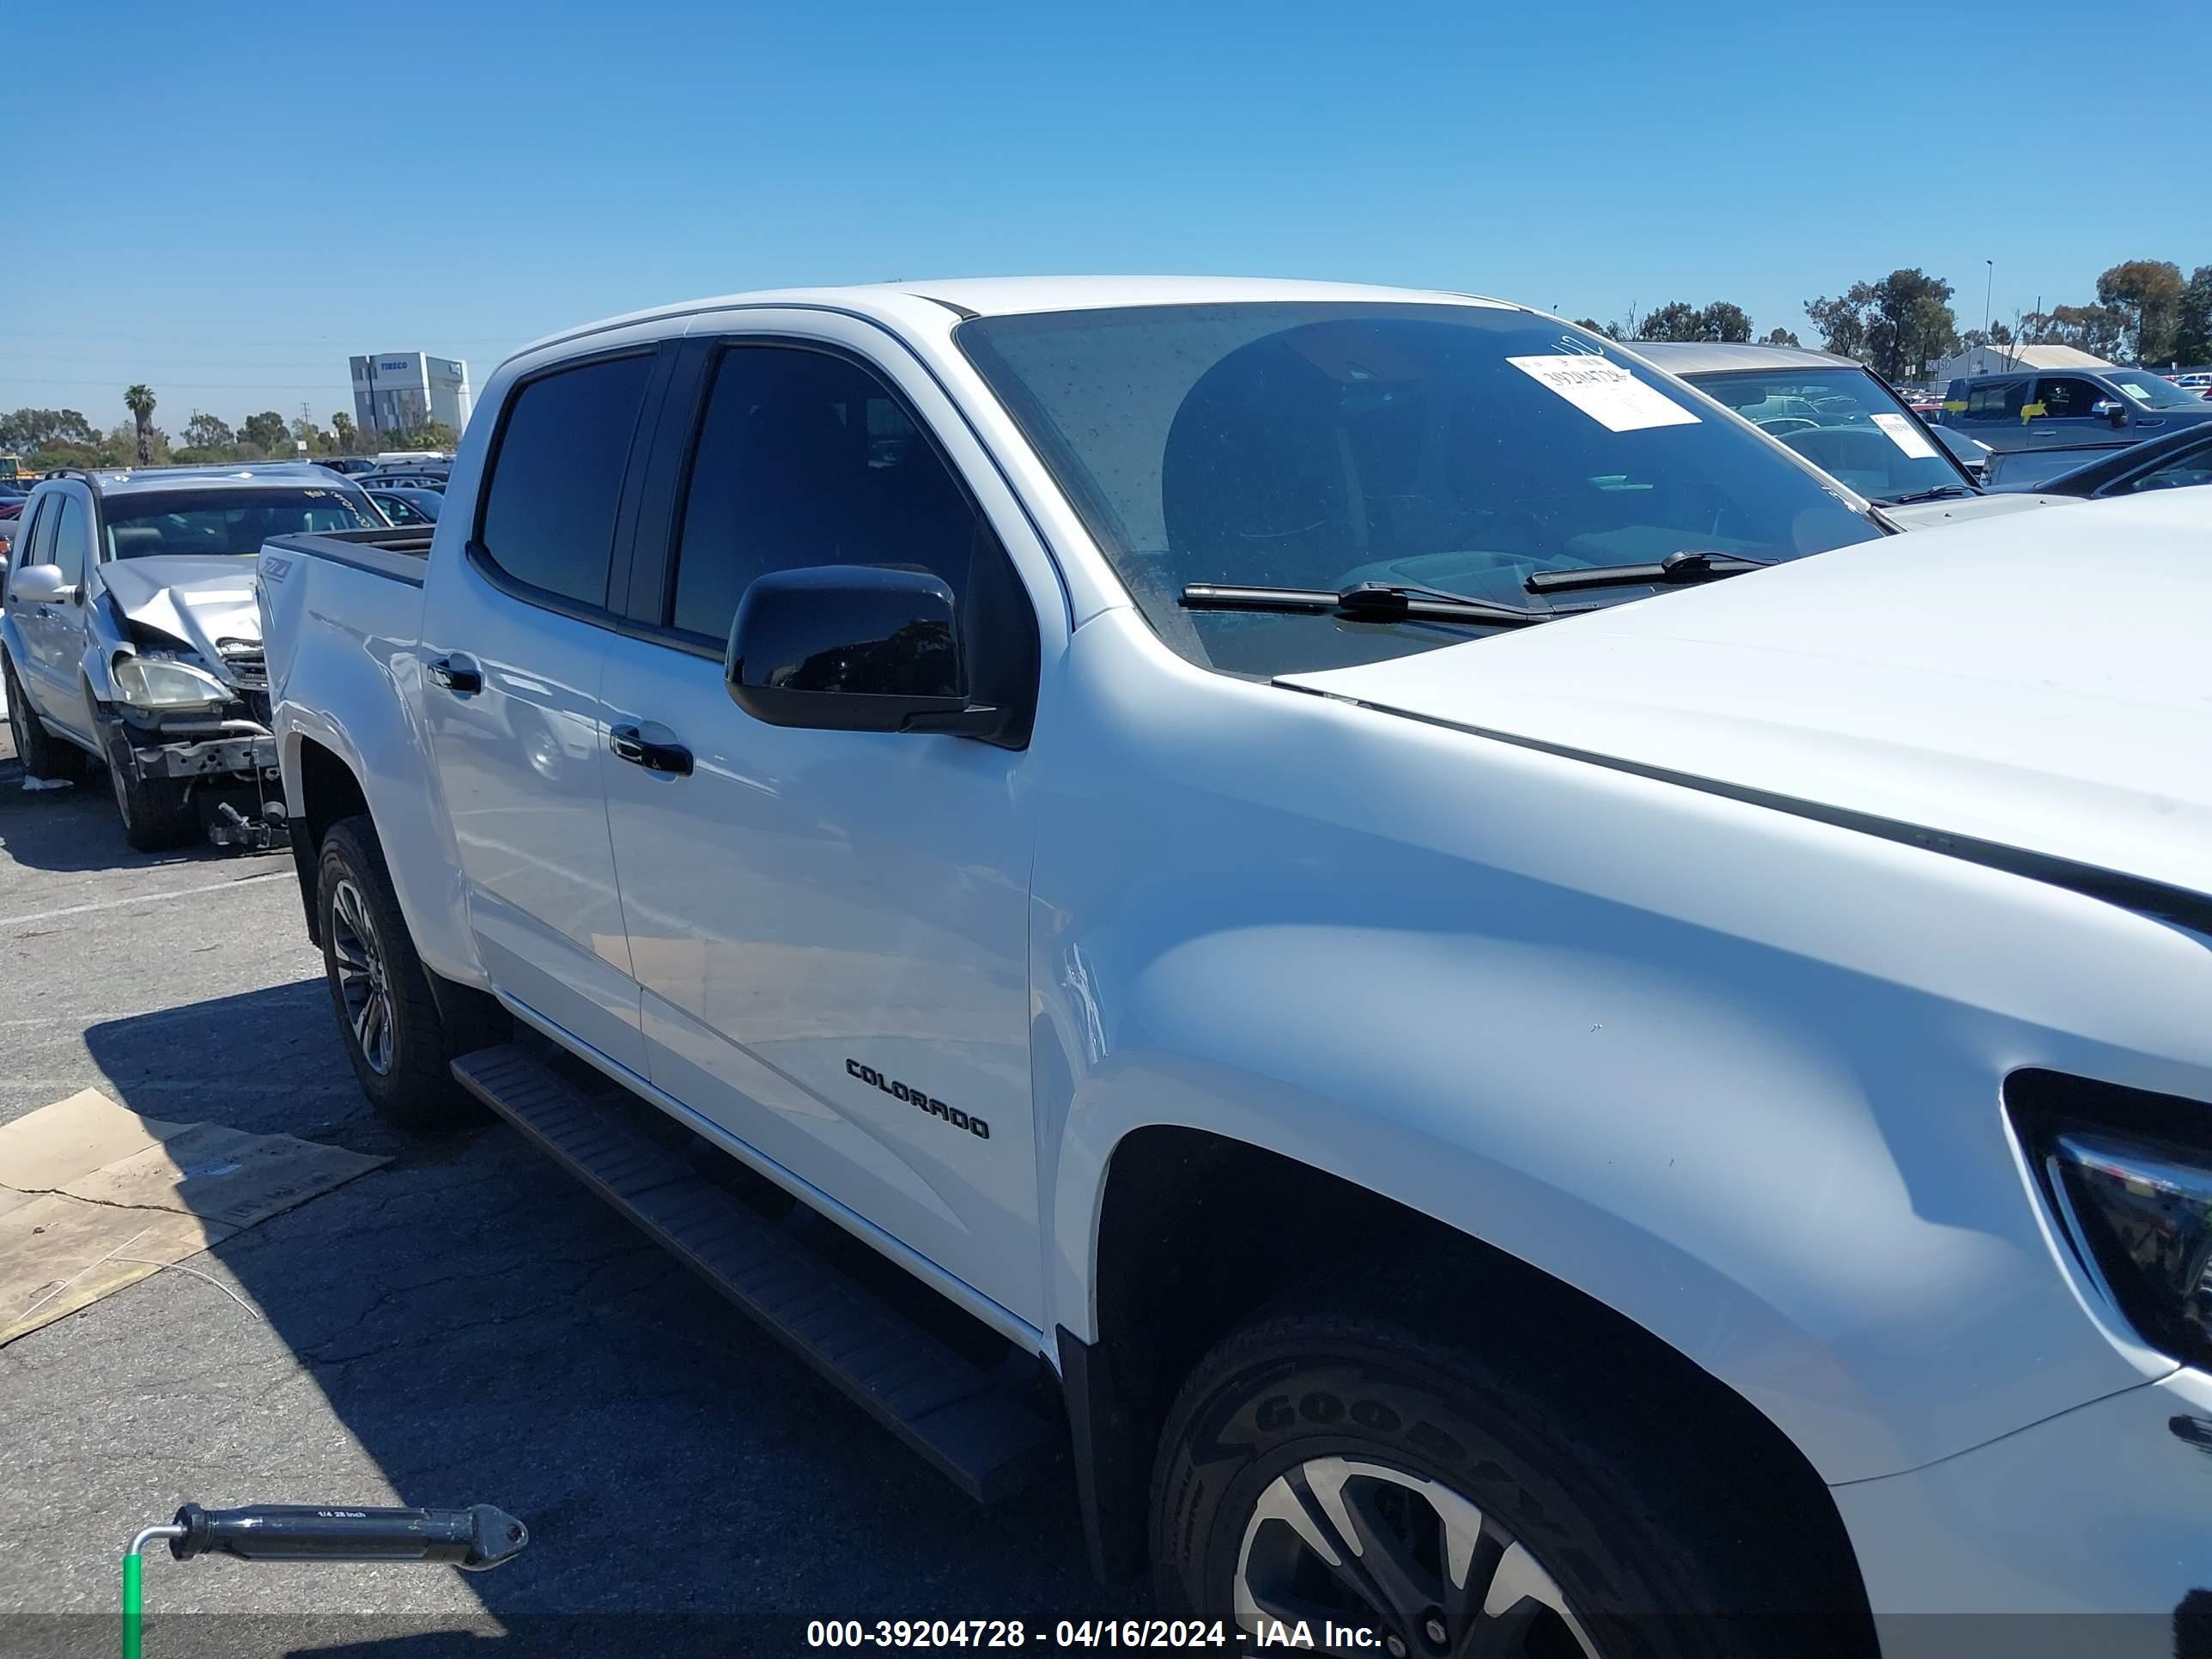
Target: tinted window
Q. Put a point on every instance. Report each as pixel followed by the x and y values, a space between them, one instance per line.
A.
pixel 1996 400
pixel 2182 472
pixel 549 516
pixel 74 539
pixel 229 521
pixel 807 459
pixel 2066 399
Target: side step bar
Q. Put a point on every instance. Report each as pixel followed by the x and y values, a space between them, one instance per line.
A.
pixel 988 1440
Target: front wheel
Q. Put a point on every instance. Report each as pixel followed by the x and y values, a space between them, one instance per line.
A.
pixel 400 1045
pixel 1348 1473
pixel 42 755
pixel 156 812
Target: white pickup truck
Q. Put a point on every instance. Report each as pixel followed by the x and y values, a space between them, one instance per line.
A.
pixel 1500 1119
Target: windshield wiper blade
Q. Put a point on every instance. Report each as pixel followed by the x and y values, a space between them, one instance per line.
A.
pixel 1941 492
pixel 1675 570
pixel 1371 602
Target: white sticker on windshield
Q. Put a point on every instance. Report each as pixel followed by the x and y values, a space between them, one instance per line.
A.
pixel 1907 436
pixel 1605 392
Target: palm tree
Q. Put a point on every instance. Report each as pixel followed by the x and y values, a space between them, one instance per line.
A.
pixel 139 400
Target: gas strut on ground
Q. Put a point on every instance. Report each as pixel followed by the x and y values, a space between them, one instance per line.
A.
pixel 472 1539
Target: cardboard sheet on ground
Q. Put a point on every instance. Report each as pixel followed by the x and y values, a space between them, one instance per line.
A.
pixel 93 1197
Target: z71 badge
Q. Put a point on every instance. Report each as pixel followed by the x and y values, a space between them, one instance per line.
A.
pixel 912 1096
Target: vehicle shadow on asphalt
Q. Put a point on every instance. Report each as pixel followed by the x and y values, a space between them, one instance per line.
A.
pixel 76 829
pixel 488 1332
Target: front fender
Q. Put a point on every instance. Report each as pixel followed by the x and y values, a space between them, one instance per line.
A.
pixel 1748 1100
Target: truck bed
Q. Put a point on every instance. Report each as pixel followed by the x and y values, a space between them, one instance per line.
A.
pixel 402 554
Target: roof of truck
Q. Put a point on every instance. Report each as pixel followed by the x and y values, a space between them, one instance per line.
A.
pixel 110 481
pixel 999 296
pixel 1715 357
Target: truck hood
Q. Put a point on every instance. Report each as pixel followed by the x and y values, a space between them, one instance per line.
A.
pixel 2039 683
pixel 201 601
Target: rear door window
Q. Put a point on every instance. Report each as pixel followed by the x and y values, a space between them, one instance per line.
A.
pixel 556 478
pixel 1996 400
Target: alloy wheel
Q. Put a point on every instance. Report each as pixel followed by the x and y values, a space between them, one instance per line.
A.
pixel 1343 1543
pixel 363 984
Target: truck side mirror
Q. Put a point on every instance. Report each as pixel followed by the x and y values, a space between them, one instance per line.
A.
pixel 2112 410
pixel 849 647
pixel 40 584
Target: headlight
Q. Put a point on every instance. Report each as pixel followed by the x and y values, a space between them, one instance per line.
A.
pixel 2128 1175
pixel 158 683
pixel 2143 1215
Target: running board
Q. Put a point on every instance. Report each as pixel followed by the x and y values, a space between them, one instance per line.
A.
pixel 989 1441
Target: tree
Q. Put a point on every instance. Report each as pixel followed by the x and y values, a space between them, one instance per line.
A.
pixel 139 400
pixel 1898 326
pixel 1843 321
pixel 1611 330
pixel 2192 330
pixel 1679 321
pixel 2147 294
pixel 30 429
pixel 266 432
pixel 206 432
pixel 1779 336
pixel 341 428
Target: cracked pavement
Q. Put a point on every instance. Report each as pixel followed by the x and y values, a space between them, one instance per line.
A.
pixel 464 1324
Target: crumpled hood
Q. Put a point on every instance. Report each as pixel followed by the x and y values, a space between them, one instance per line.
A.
pixel 201 601
pixel 2041 681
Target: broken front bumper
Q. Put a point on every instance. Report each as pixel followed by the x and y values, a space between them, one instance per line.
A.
pixel 247 758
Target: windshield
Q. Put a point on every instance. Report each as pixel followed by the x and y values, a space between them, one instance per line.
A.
pixel 1844 421
pixel 2151 391
pixel 226 520
pixel 1462 447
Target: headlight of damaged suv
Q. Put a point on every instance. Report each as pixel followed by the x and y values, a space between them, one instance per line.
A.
pixel 2127 1175
pixel 161 682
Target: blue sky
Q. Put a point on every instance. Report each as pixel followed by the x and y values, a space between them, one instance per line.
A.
pixel 226 200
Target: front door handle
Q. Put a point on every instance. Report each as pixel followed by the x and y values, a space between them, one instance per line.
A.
pixel 453 674
pixel 631 744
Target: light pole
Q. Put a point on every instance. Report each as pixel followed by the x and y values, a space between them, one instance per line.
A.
pixel 1988 289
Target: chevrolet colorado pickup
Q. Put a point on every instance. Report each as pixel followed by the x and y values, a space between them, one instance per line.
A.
pixel 1526 1067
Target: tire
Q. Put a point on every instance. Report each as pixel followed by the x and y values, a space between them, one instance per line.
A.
pixel 1328 1418
pixel 398 1043
pixel 156 812
pixel 43 754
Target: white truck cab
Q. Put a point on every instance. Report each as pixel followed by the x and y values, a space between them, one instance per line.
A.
pixel 1550 1043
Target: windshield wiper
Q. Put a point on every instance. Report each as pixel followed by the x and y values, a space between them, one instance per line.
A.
pixel 1675 570
pixel 1368 602
pixel 1941 492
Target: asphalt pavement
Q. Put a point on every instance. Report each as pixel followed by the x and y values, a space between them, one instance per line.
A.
pixel 463 1325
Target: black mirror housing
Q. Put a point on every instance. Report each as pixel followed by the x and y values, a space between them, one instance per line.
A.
pixel 851 648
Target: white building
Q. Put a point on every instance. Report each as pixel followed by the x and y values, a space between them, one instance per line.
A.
pixel 2004 359
pixel 400 391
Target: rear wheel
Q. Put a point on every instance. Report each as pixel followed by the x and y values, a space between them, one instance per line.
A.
pixel 400 1044
pixel 42 755
pixel 156 812
pixel 1345 1469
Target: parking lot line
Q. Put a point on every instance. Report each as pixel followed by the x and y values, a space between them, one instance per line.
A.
pixel 142 898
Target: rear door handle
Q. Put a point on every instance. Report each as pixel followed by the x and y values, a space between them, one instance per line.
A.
pixel 455 674
pixel 631 744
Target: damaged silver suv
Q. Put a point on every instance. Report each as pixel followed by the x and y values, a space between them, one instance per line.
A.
pixel 131 637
